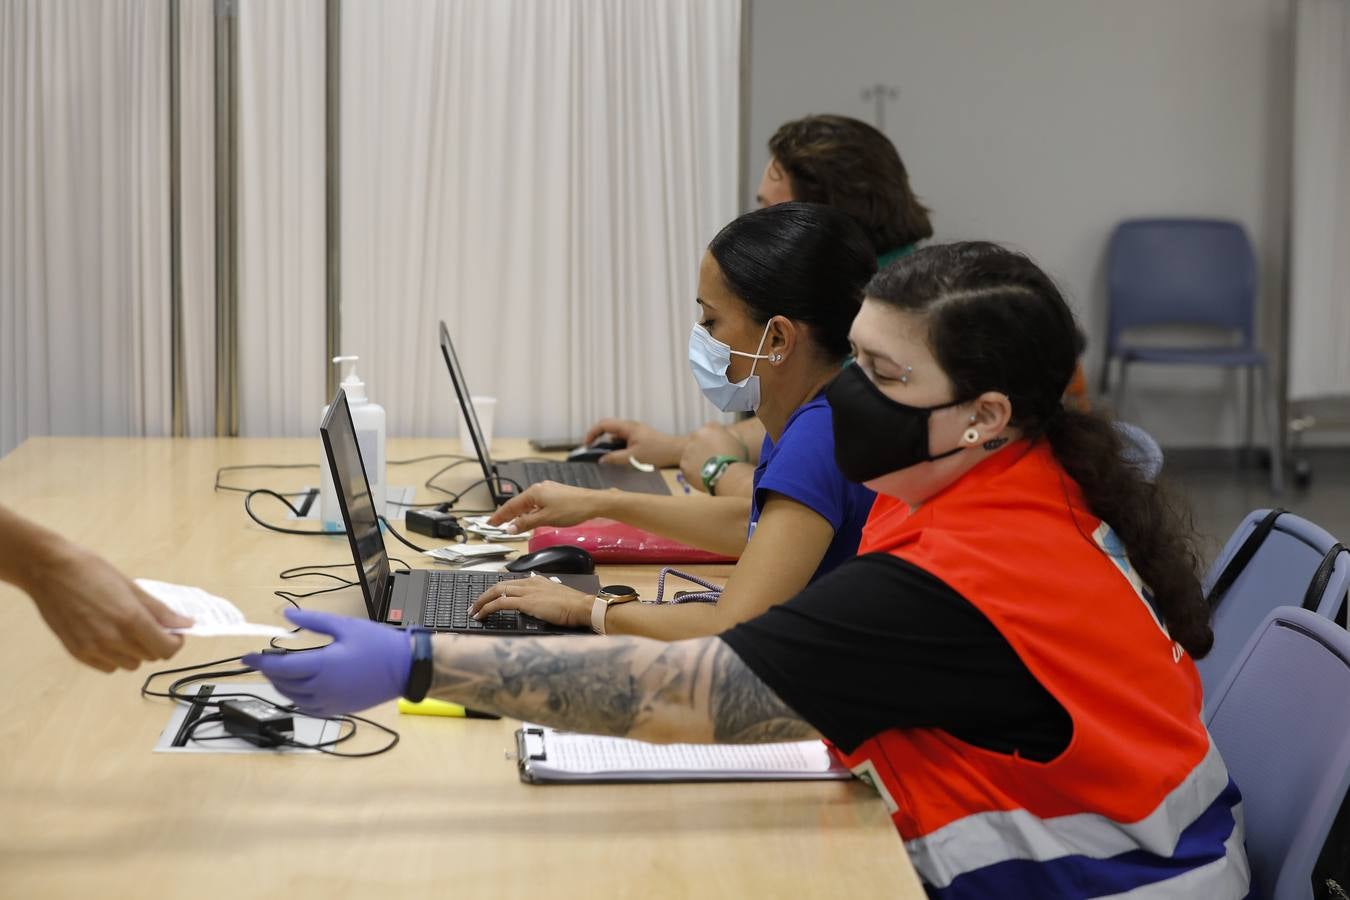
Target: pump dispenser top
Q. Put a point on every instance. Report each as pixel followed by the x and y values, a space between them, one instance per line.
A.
pixel 352 384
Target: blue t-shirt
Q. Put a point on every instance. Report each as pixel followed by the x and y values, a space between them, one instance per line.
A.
pixel 801 467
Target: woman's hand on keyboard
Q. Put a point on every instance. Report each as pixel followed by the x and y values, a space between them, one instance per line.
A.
pixel 550 503
pixel 537 596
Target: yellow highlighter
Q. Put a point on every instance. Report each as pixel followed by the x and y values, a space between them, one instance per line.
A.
pixel 431 707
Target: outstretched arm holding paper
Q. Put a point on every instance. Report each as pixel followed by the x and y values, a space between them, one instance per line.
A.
pixel 102 618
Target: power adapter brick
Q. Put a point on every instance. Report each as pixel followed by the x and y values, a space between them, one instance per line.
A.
pixel 435 523
pixel 257 721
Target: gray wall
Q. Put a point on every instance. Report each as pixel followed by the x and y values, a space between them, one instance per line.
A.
pixel 1040 123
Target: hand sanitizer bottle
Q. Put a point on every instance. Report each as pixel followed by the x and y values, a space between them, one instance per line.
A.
pixel 368 420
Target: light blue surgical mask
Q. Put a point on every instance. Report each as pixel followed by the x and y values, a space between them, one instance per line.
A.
pixel 709 358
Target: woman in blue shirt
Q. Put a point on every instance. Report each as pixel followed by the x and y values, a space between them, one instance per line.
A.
pixel 778 290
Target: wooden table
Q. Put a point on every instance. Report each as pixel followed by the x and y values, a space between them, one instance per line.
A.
pixel 86 809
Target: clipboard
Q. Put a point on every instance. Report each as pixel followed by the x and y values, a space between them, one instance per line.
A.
pixel 548 756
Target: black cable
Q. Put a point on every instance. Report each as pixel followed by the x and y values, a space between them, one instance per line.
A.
pixel 291 596
pixel 281 739
pixel 434 475
pixel 459 456
pixel 145 685
pixel 352 717
pixel 278 738
pixel 393 462
pixel 456 496
pixel 401 538
pixel 243 490
pixel 248 508
pixel 295 571
pixel 288 574
pixel 216 699
pixel 174 694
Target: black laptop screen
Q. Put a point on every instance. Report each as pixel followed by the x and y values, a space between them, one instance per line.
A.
pixel 466 405
pixel 358 509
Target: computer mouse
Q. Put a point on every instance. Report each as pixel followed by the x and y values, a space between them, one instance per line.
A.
pixel 593 451
pixel 560 560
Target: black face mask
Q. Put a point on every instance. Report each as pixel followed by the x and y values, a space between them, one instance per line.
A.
pixel 873 434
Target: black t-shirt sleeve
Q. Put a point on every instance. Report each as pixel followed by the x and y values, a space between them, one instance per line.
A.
pixel 879 643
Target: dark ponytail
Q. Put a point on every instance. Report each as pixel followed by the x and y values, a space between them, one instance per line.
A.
pixel 1151 521
pixel 996 322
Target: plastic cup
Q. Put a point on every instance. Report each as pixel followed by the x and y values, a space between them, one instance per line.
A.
pixel 485 408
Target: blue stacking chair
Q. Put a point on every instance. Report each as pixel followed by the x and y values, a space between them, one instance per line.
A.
pixel 1273 558
pixel 1198 272
pixel 1281 721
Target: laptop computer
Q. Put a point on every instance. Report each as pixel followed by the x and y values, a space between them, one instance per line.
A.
pixel 506 479
pixel 436 600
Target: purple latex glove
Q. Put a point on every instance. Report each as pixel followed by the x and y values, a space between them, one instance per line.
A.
pixel 366 664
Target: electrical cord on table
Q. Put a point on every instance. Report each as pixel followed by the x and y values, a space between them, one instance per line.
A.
pixel 280 739
pixel 456 496
pixel 206 671
pixel 243 490
pixel 218 486
pixel 267 492
pixel 284 496
pixel 198 672
pixel 292 597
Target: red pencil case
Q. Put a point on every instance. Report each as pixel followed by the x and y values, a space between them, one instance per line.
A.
pixel 614 542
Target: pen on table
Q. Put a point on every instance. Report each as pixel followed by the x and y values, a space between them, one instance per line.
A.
pixel 433 707
pixel 684 482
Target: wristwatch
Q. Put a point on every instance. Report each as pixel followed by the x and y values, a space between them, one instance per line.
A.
pixel 714 469
pixel 419 677
pixel 610 595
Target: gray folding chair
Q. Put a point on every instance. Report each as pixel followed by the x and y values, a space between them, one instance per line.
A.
pixel 1273 558
pixel 1282 723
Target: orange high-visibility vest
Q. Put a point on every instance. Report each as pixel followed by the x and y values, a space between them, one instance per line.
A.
pixel 1140 800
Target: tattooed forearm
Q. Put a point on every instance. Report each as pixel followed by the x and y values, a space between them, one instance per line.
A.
pixel 613 686
pixel 745 710
pixel 690 691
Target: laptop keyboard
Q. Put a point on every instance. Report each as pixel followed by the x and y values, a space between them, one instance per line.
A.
pixel 574 474
pixel 449 595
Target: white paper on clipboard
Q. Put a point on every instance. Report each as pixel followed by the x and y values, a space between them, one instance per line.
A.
pixel 547 756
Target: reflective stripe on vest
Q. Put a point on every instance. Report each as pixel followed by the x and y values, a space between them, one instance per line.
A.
pixel 1087 846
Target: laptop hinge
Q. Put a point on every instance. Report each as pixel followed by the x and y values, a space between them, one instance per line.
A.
pixel 390 614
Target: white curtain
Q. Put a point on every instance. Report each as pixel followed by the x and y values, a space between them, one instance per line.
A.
pixel 545 177
pixel 198 231
pixel 1319 339
pixel 281 217
pixel 84 219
